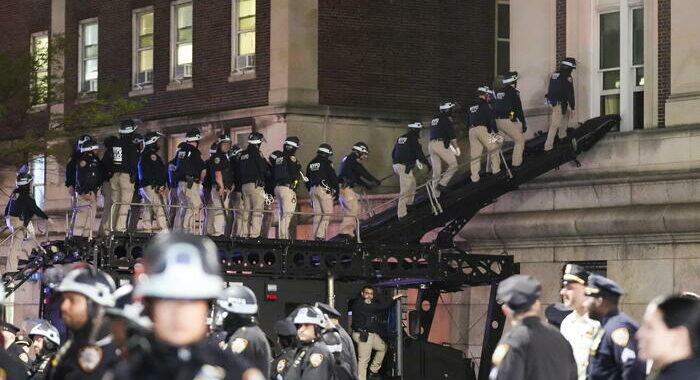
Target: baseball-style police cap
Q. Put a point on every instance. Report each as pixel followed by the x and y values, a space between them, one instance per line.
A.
pixel 519 292
pixel 285 327
pixel 574 274
pixel 599 286
pixel 9 327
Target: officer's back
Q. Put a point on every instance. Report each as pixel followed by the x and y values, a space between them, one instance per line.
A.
pixel 251 342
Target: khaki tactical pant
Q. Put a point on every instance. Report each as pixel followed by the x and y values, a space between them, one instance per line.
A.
pixel 439 153
pixel 322 203
pixel 106 209
pixel 154 207
pixel 191 201
pixel 84 217
pixel 253 199
pixel 351 206
pixel 364 352
pixel 237 206
pixel 287 199
pixel 407 188
pixel 557 124
pixel 122 191
pixel 478 140
pixel 18 248
pixel 218 217
pixel 514 129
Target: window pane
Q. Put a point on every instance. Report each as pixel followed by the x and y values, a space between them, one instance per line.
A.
pixel 503 21
pixel 503 56
pixel 184 54
pixel 90 69
pixel 184 16
pixel 146 24
pixel 90 51
pixel 610 40
pixel 146 41
pixel 638 36
pixel 639 76
pixel 638 104
pixel 146 60
pixel 184 35
pixel 610 104
pixel 246 23
pixel 246 8
pixel 611 80
pixel 41 45
pixel 246 43
pixel 90 34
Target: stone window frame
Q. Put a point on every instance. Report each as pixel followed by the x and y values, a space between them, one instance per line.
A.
pixel 140 88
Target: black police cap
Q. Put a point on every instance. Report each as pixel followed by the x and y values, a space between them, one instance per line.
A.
pixel 575 274
pixel 519 292
pixel 285 327
pixel 328 310
pixel 555 313
pixel 599 286
pixel 9 327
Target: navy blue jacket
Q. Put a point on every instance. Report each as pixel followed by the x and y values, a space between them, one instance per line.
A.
pixel 561 90
pixel 482 114
pixel 614 350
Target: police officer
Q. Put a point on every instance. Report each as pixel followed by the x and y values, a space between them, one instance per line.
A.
pixel 253 168
pixel 577 327
pixel 106 189
pixel 367 315
pixel 189 173
pixel 206 187
pixel 20 210
pixel 532 349
pixel 122 161
pixel 560 96
pixel 153 177
pixel 172 193
pixel 89 351
pixel 10 367
pixel 668 336
pixel 9 334
pixel 443 147
pixel 70 169
pixel 287 173
pixel 312 359
pixel 287 340
pixel 340 368
pixel 483 133
pixel 236 204
pixel 222 179
pixel 244 338
pixel 348 354
pixel 323 188
pixel 510 118
pixel 269 193
pixel 408 154
pixel 613 352
pixel 136 210
pixel 45 343
pixel 183 277
pixel 351 174
pixel 128 323
pixel 88 180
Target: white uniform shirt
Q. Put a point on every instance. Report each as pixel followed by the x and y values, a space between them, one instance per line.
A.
pixel 579 330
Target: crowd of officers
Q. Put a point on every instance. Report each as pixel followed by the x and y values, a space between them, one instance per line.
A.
pixel 163 327
pixel 238 185
pixel 590 338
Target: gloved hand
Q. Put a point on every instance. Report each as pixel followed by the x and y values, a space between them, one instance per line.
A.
pixel 447 143
pixel 419 165
pixel 524 128
pixel 455 150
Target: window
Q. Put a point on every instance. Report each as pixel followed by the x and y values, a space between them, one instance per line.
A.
pixel 181 50
pixel 610 63
pixel 38 171
pixel 638 67
pixel 502 58
pixel 143 48
pixel 240 137
pixel 243 36
pixel 88 56
pixel 40 70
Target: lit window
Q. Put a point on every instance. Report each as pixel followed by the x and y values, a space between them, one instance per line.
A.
pixel 182 35
pixel 243 35
pixel 40 71
pixel 38 171
pixel 502 58
pixel 88 56
pixel 143 48
pixel 610 63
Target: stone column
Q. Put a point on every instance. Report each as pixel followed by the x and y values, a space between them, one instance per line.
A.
pixel 683 106
pixel 294 52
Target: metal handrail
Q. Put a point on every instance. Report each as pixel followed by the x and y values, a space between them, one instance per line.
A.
pixel 72 213
pixel 239 210
pixel 115 204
